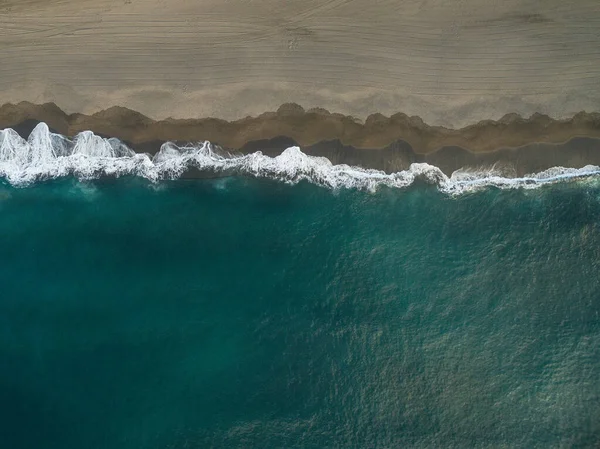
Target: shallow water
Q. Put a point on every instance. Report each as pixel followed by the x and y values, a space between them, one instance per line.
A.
pixel 242 312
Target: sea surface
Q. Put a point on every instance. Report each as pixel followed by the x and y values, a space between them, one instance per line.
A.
pixel 293 304
pixel 242 312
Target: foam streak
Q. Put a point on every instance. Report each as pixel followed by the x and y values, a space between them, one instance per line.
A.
pixel 45 155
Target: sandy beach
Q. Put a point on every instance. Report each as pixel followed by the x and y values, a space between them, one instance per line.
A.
pixel 451 63
pixel 455 83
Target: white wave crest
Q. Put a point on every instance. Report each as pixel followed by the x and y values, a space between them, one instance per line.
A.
pixel 45 155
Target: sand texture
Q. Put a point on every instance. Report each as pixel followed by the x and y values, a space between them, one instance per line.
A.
pixel 450 62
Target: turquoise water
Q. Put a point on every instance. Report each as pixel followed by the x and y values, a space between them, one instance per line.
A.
pixel 242 313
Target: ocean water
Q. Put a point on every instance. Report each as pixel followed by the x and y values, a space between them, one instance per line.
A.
pixel 244 311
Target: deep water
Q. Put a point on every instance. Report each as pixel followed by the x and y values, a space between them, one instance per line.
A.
pixel 240 313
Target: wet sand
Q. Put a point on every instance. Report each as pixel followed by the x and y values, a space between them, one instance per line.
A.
pixel 516 145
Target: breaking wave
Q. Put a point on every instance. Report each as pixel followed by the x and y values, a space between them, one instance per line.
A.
pixel 46 155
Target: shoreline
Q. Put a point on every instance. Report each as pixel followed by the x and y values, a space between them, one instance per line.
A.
pixel 514 144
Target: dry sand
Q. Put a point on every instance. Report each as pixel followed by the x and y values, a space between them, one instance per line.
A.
pixel 450 62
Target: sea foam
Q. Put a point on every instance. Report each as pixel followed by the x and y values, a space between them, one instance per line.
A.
pixel 46 155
